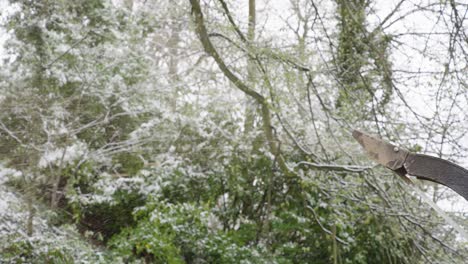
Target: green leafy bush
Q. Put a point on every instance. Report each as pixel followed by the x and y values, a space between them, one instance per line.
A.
pixel 183 233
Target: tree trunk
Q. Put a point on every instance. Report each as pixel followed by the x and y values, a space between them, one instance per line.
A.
pixel 271 139
pixel 174 79
pixel 251 105
pixel 31 213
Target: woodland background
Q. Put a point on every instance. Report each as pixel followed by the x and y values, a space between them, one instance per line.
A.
pixel 214 131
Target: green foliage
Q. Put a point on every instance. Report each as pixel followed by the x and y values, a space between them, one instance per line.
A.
pixel 59 250
pixel 130 164
pixel 17 251
pixel 229 205
pixel 105 219
pixel 169 233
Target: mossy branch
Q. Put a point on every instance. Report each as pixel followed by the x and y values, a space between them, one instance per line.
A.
pixel 260 99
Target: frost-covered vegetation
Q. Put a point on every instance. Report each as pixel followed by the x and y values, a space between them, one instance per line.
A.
pixel 219 131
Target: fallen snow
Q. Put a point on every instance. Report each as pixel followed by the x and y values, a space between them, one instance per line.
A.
pixel 13 222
